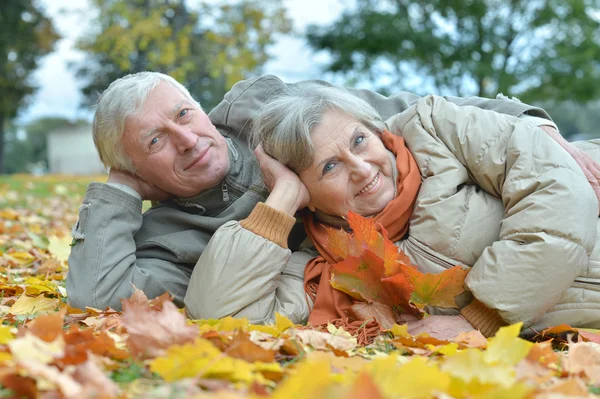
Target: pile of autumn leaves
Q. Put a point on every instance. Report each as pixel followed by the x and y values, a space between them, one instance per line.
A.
pixel 48 349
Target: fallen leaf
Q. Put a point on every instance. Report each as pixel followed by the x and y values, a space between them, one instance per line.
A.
pixel 151 332
pixel 27 305
pixel 242 348
pixel 584 357
pixel 506 347
pixel 364 388
pixel 471 339
pixel 434 289
pixel 384 314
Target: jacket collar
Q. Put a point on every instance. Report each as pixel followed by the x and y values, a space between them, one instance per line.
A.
pixel 241 173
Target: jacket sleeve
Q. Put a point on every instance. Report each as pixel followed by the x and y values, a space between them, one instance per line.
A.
pixel 550 210
pixel 102 265
pixel 244 274
pixel 240 106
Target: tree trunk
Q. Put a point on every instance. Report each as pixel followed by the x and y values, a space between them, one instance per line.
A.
pixel 2 118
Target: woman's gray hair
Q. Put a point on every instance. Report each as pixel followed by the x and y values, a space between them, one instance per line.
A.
pixel 285 122
pixel 123 99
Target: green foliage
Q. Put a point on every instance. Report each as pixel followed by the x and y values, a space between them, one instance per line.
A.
pixel 26 35
pixel 207 49
pixel 533 49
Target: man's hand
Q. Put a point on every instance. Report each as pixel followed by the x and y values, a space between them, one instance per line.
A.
pixel 440 327
pixel 288 193
pixel 146 190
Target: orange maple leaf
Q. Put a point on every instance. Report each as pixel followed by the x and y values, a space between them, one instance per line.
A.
pixel 431 289
pixel 375 270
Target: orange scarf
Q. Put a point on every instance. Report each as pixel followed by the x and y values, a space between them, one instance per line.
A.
pixel 329 303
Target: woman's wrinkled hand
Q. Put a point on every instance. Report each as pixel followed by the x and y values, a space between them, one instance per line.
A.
pixel 440 327
pixel 288 193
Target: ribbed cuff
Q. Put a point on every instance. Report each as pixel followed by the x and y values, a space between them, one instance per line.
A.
pixel 484 319
pixel 269 223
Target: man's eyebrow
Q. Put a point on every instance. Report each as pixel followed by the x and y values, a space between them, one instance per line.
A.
pixel 154 129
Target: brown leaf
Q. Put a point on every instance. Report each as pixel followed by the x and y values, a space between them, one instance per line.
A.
pixel 584 357
pixel 471 339
pixel 81 342
pixel 364 388
pixel 242 348
pixel 46 327
pixel 94 383
pixel 150 332
pixel 22 387
pixel 382 313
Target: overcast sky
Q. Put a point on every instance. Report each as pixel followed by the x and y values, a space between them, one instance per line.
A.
pixel 59 93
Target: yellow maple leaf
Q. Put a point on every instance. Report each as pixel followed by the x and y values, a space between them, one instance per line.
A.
pixel 225 324
pixel 203 359
pixel 6 334
pixel 60 247
pixel 470 366
pixel 282 323
pixel 32 348
pixel 506 347
pixel 309 380
pixel 28 305
pixel 475 389
pixel 36 286
pixel 22 258
pixel 417 378
pixel 400 331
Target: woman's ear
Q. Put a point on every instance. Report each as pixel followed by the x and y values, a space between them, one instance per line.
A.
pixel 311 207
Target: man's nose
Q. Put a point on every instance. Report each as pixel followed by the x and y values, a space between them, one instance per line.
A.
pixel 359 168
pixel 183 138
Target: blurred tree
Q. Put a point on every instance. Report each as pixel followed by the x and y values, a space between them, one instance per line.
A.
pixel 533 49
pixel 26 34
pixel 207 49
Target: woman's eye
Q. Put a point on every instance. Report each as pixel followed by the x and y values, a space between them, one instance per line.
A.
pixel 328 167
pixel 359 140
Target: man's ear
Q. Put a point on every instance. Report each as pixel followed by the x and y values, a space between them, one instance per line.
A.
pixel 311 207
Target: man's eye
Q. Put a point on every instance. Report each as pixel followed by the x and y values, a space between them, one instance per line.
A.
pixel 359 140
pixel 183 112
pixel 154 141
pixel 328 167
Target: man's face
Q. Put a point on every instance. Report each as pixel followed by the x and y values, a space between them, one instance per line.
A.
pixel 174 145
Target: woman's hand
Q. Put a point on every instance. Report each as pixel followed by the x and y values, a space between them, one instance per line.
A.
pixel 288 193
pixel 440 327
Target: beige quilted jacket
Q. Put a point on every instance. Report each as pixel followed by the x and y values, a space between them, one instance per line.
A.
pixel 502 197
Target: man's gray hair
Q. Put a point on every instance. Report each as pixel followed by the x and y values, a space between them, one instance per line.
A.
pixel 123 99
pixel 285 122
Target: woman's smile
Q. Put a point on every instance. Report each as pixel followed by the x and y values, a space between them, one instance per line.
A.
pixel 351 170
pixel 372 187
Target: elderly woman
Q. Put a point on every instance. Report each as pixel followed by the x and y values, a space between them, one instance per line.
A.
pixel 451 185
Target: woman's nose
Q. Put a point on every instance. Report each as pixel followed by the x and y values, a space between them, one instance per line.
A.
pixel 360 169
pixel 184 139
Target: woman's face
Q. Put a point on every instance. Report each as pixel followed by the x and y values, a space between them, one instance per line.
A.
pixel 352 170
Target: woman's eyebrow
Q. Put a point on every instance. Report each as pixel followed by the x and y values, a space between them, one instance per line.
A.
pixel 357 130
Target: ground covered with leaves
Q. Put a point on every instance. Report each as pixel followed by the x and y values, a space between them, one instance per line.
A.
pixel 150 350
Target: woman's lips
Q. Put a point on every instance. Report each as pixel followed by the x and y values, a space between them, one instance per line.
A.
pixel 372 186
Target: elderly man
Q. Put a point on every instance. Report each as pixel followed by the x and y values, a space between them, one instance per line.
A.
pixel 160 145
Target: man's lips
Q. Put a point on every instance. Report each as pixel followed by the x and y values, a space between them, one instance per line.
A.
pixel 198 158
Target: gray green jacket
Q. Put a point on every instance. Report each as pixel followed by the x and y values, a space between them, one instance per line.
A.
pixel 117 247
